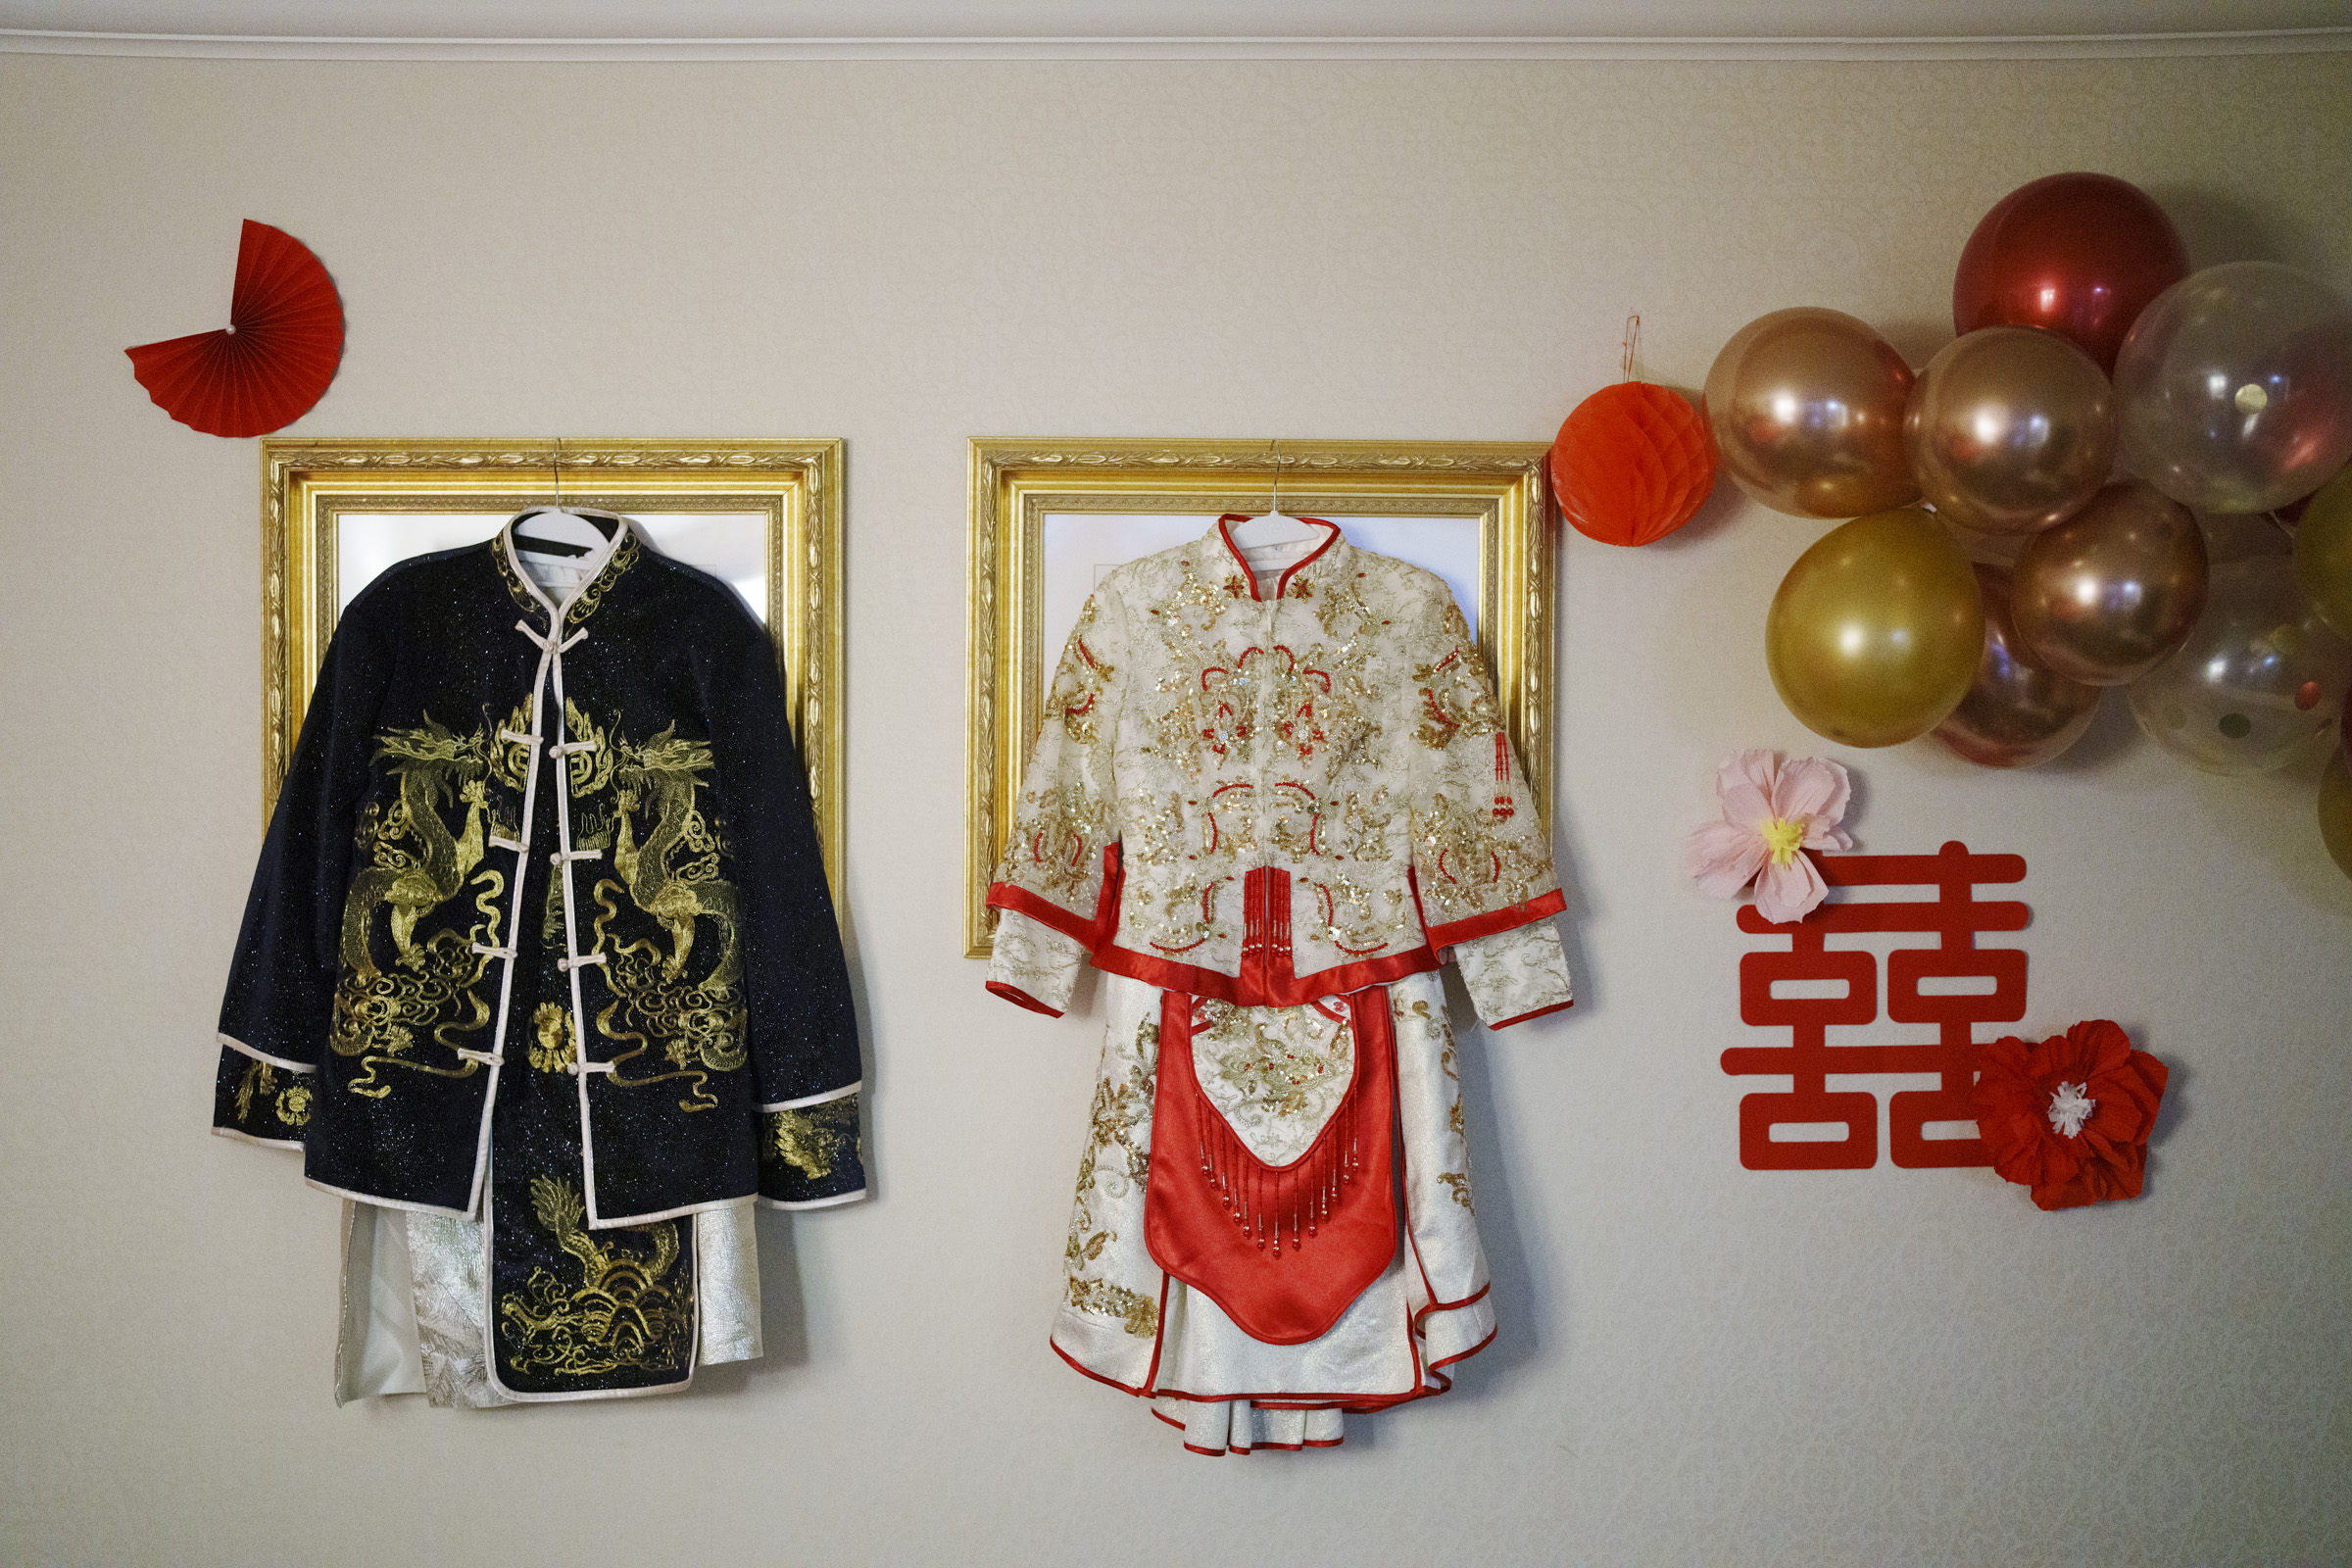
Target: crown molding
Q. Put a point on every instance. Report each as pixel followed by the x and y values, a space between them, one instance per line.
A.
pixel 620 31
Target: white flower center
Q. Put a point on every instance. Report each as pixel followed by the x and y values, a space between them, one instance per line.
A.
pixel 2070 1109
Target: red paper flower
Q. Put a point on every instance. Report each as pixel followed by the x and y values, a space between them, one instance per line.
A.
pixel 2070 1117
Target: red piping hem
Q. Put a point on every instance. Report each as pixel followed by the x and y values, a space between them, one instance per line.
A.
pixel 1494 920
pixel 1557 1006
pixel 1022 999
pixel 1086 1371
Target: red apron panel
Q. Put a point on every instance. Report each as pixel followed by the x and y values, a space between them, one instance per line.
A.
pixel 1282 1248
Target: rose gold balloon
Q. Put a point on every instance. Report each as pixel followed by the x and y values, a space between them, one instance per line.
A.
pixel 1807 409
pixel 2011 429
pixel 2015 713
pixel 2106 595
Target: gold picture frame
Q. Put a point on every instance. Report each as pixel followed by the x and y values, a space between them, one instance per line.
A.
pixel 1016 485
pixel 792 488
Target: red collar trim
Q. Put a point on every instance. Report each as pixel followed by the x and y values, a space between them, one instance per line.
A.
pixel 1225 533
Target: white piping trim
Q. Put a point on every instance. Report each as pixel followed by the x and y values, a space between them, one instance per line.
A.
pixel 616 51
pixel 295 1144
pixel 551 648
pixel 234 1044
pixel 814 1202
pixel 390 1202
pixel 813 1100
pixel 680 1212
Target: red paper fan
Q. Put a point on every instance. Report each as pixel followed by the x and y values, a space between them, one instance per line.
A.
pixel 284 342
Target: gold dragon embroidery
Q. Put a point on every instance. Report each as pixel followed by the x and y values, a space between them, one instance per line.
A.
pixel 671 875
pixel 412 861
pixel 626 1312
pixel 663 776
pixel 418 863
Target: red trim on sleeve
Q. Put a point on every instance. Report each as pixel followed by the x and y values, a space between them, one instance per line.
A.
pixel 1557 1006
pixel 1022 999
pixel 1089 934
pixel 1021 900
pixel 1493 920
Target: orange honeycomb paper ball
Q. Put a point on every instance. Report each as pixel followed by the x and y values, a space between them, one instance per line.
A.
pixel 1632 463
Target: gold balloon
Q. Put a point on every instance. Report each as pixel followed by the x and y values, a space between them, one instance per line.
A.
pixel 2010 429
pixel 2335 812
pixel 2015 713
pixel 2324 552
pixel 1807 409
pixel 1876 632
pixel 2102 597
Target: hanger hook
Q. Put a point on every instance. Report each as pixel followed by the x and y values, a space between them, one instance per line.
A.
pixel 1632 341
pixel 1277 451
pixel 555 468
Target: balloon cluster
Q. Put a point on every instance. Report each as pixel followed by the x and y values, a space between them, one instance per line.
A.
pixel 2096 397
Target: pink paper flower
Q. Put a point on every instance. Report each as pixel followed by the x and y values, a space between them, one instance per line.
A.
pixel 1771 815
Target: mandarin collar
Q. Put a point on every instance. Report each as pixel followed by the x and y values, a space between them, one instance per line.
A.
pixel 1220 547
pixel 609 562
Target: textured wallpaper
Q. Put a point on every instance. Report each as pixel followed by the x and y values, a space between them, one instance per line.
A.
pixel 1697 1363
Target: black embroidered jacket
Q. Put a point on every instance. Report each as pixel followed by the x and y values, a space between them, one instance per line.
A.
pixel 542 892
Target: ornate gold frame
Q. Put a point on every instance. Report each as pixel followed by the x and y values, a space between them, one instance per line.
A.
pixel 307 484
pixel 1014 484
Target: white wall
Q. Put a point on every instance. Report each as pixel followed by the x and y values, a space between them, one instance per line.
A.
pixel 1697 1363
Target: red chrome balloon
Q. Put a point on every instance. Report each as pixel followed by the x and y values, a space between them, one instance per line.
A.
pixel 2079 255
pixel 1632 463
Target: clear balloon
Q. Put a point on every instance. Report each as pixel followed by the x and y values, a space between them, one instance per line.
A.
pixel 2113 589
pixel 2259 681
pixel 2079 255
pixel 2015 713
pixel 1807 409
pixel 2010 429
pixel 2324 551
pixel 2335 814
pixel 1874 633
pixel 2236 387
